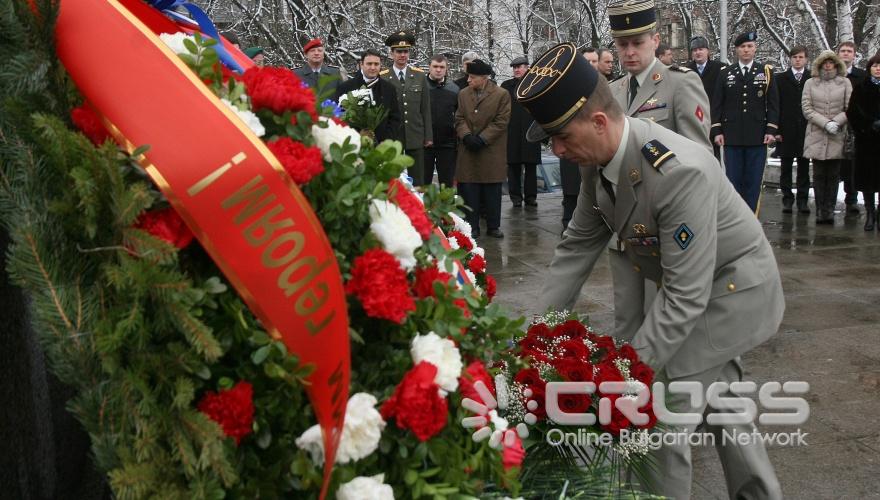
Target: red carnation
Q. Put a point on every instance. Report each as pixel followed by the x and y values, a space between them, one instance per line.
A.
pixel 425 279
pixel 412 207
pixel 416 403
pixel 87 121
pixel 477 264
pixel 642 372
pixel 539 330
pixel 574 403
pixel 513 456
pixel 166 225
pixel 278 90
pixel 379 282
pixel 573 370
pixel 491 287
pixel 475 372
pixel 462 240
pixel 232 408
pixel 574 349
pixel 300 161
pixel 466 311
pixel 571 328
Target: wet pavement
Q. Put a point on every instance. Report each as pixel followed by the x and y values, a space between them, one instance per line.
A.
pixel 829 337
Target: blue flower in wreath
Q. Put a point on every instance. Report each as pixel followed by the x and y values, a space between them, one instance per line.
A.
pixel 337 110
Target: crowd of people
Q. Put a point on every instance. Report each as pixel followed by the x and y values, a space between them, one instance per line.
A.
pixel 826 114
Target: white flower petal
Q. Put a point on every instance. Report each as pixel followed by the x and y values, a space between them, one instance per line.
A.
pixel 365 488
pixel 395 231
pixel 441 353
pixel 334 134
pixel 360 434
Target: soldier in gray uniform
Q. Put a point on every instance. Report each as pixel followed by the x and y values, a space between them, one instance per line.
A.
pixel 680 223
pixel 417 131
pixel 315 69
pixel 672 96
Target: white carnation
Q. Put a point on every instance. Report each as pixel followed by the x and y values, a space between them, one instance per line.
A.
pixel 360 434
pixel 174 41
pixel 453 244
pixel 460 224
pixel 478 250
pixel 365 488
pixel 441 353
pixel 395 231
pixel 334 134
pixel 248 117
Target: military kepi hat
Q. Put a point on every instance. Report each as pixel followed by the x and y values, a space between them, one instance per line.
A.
pixel 556 86
pixel 632 17
pixel 749 36
pixel 401 40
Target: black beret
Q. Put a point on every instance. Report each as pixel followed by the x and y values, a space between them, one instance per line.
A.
pixel 555 88
pixel 699 42
pixel 749 36
pixel 479 67
pixel 401 40
pixel 632 17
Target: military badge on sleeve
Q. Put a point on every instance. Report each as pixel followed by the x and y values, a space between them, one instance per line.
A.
pixel 683 236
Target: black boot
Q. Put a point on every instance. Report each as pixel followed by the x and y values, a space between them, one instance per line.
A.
pixel 870 218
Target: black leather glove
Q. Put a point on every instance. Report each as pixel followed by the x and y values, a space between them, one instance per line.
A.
pixel 876 126
pixel 472 142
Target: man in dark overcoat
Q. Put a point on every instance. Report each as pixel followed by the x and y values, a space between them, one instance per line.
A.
pixel 792 128
pixel 522 155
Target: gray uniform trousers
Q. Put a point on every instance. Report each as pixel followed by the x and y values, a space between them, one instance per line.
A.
pixel 747 469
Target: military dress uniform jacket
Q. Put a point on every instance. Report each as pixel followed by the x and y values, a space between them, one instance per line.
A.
pixel 671 96
pixel 415 106
pixel 311 77
pixel 745 108
pixel 683 226
pixel 792 124
pixel 709 75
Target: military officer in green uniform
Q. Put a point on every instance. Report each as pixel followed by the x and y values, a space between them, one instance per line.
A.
pixel 678 222
pixel 413 95
pixel 672 96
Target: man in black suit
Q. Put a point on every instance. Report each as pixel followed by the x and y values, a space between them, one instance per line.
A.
pixel 708 70
pixel 846 51
pixel 792 128
pixel 383 92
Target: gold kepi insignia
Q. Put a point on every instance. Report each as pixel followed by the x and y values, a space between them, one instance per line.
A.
pixel 627 19
pixel 634 175
pixel 640 229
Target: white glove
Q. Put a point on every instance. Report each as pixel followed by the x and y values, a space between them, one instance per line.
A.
pixel 832 127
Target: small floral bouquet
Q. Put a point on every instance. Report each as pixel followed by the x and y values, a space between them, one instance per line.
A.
pixel 361 111
pixel 557 347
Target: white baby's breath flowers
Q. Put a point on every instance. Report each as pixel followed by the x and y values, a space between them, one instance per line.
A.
pixel 395 231
pixel 333 133
pixel 441 353
pixel 360 434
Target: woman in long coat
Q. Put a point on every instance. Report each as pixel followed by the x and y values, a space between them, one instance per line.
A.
pixel 824 102
pixel 481 125
pixel 864 118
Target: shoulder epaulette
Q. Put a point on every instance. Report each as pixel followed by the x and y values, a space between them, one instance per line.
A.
pixel 656 153
pixel 680 69
pixel 415 68
pixel 384 72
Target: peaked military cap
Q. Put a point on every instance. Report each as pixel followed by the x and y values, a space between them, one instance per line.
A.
pixel 632 17
pixel 749 36
pixel 478 67
pixel 553 90
pixel 401 40
pixel 699 42
pixel 519 60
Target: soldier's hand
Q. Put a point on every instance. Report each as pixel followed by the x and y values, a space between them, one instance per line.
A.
pixel 719 139
pixel 428 144
pixel 769 139
pixel 778 138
